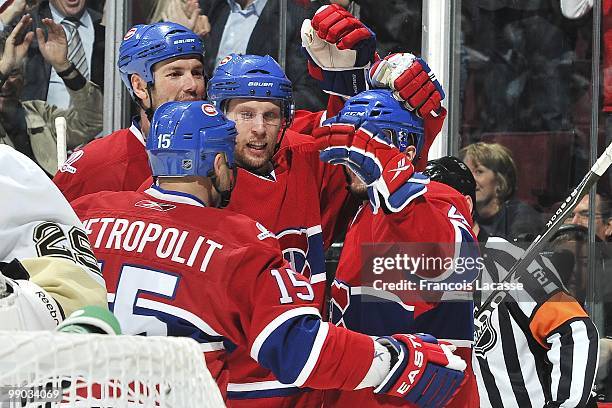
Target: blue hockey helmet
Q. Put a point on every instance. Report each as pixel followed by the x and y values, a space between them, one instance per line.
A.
pixel 185 137
pixel 252 77
pixel 145 45
pixel 378 106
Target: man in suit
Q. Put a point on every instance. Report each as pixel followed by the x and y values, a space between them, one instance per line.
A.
pixel 41 80
pixel 261 17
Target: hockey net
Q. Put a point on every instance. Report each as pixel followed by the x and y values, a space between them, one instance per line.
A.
pixel 88 370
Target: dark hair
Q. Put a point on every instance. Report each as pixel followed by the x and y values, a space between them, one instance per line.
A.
pixel 453 172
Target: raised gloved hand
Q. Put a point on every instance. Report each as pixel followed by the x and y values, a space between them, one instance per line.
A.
pixel 340 50
pixel 412 81
pixel 370 154
pixel 424 372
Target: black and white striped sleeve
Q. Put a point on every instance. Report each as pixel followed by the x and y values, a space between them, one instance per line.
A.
pixel 573 353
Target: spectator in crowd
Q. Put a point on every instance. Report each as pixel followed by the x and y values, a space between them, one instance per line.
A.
pixel 85 49
pixel 603 218
pixel 184 12
pixel 30 126
pixel 251 27
pixel 499 212
pixel 12 10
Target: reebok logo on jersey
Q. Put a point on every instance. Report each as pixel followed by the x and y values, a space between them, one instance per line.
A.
pixel 401 166
pixel 68 167
pixel 264 232
pixel 152 205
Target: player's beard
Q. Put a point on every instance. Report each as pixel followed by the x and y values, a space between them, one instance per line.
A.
pixel 356 187
pixel 257 164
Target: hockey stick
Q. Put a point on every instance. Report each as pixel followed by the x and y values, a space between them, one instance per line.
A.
pixel 60 131
pixel 484 312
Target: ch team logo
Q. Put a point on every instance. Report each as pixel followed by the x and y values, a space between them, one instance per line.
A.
pixel 225 60
pixel 129 33
pixel 339 303
pixel 209 110
pixel 303 249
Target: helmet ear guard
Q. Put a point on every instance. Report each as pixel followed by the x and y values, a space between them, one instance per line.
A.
pixel 185 138
pixel 251 77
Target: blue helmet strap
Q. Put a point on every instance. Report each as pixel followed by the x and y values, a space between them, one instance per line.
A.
pixel 280 139
pixel 149 111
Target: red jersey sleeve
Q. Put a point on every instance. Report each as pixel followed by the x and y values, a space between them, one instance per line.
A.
pixel 284 331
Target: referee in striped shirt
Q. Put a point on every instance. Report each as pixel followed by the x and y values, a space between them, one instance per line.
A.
pixel 539 349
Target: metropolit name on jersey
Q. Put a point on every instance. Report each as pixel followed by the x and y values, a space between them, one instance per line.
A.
pixel 423 285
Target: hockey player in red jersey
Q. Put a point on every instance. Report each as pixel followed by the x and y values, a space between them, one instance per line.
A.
pixel 377 138
pixel 223 280
pixel 280 183
pixel 156 66
pixel 306 200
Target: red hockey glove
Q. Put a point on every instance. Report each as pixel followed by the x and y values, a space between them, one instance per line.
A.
pixel 372 156
pixel 412 80
pixel 426 372
pixel 340 50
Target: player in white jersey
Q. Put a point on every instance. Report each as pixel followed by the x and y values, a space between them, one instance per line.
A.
pixel 47 268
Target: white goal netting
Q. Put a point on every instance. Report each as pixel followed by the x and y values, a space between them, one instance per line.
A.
pixel 50 369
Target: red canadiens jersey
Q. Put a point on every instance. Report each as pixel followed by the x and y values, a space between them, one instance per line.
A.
pixel 294 202
pixel 435 217
pixel 221 281
pixel 117 162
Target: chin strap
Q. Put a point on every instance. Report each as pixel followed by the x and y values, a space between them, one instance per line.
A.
pixel 280 140
pixel 148 111
pixel 224 194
